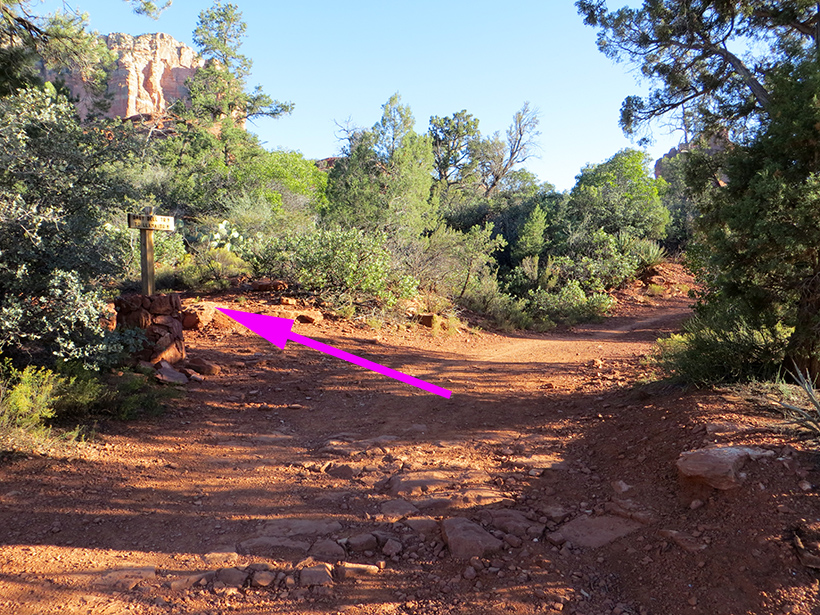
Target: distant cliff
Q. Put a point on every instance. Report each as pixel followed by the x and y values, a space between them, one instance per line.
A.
pixel 149 76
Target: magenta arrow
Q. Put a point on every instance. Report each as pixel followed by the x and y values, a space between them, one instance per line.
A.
pixel 278 331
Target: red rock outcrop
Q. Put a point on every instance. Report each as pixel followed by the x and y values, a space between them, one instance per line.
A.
pixel 149 75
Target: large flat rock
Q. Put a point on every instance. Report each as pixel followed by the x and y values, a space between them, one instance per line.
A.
pixel 540 462
pixel 718 466
pixel 300 527
pixel 394 510
pixel 265 545
pixel 467 539
pixel 419 483
pixel 594 532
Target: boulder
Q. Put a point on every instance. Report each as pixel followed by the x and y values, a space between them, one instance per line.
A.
pixel 261 285
pixel 139 318
pixel 232 577
pixel 319 574
pixel 513 522
pixel 467 539
pixel 392 547
pixel 198 316
pixel 362 542
pixel 126 579
pixel 263 578
pixel 202 366
pixel 347 570
pixel 423 525
pixel 174 325
pixel 419 483
pixel 168 375
pixel 160 304
pixel 266 545
pixel 173 353
pixel 327 550
pixel 301 527
pixel 310 316
pixel 684 541
pixel 343 471
pixel 717 466
pixel 282 313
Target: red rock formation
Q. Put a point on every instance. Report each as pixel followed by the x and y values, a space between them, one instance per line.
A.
pixel 149 75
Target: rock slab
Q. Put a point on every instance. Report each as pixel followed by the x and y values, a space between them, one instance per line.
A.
pixel 320 574
pixel 718 466
pixel 594 532
pixel 467 539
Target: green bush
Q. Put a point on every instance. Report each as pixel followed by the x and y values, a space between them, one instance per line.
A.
pixel 711 351
pixel 345 266
pixel 27 397
pixel 648 254
pixel 485 297
pixel 58 189
pixel 210 269
pixel 598 261
pixel 569 305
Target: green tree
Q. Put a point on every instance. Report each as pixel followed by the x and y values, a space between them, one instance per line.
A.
pixel 750 68
pixel 383 181
pixel 708 61
pixel 218 90
pixel 531 240
pixel 214 161
pixel 620 196
pixel 680 200
pixel 453 139
pixel 760 243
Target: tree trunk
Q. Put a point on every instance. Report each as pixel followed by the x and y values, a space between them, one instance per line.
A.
pixel 803 352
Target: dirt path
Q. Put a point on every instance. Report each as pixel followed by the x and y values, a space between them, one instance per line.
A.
pixel 547 483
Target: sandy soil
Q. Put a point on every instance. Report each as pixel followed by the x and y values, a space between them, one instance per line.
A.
pixel 181 513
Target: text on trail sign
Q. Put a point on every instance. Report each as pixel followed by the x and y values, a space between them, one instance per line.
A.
pixel 150 222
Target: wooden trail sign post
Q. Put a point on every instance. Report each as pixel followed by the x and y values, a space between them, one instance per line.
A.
pixel 147 223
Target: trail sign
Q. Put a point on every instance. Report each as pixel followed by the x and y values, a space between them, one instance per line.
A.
pixel 147 223
pixel 150 222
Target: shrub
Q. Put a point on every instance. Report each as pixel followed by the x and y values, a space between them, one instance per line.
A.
pixel 569 305
pixel 710 351
pixel 505 311
pixel 598 261
pixel 27 397
pixel 807 418
pixel 344 265
pixel 648 254
pixel 450 262
pixel 57 189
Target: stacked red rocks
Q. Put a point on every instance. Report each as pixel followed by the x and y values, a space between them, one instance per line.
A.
pixel 160 316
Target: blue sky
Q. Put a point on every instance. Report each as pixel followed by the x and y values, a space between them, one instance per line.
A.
pixel 342 60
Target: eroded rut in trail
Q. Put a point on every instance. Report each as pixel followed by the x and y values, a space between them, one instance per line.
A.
pixel 294 483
